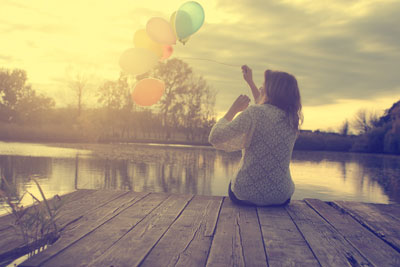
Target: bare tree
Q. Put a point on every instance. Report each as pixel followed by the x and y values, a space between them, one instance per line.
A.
pixel 373 119
pixel 115 98
pixel 365 121
pixel 344 128
pixel 78 83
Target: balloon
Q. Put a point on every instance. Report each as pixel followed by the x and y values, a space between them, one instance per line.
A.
pixel 183 25
pixel 137 60
pixel 167 49
pixel 148 91
pixel 184 41
pixel 172 22
pixel 189 19
pixel 160 31
pixel 141 39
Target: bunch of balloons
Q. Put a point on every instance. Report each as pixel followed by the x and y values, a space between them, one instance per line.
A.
pixel 154 44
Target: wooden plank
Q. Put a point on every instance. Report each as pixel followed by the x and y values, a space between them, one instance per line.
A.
pixel 97 242
pixel 81 228
pixel 386 227
pixel 73 211
pixel 237 240
pixel 7 220
pixel 327 244
pixel 194 229
pixel 12 243
pixel 251 236
pixel 371 247
pixel 69 212
pixel 133 247
pixel 284 243
pixel 390 210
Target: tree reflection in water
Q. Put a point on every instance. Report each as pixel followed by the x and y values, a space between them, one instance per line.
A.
pixel 203 171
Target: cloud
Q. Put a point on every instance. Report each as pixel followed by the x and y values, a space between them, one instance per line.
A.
pixel 6 58
pixel 343 49
pixel 350 54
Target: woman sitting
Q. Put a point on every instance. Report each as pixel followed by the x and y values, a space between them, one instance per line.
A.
pixel 266 132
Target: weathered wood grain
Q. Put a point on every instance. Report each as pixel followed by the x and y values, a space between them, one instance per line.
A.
pixel 12 243
pixel 237 240
pixel 73 211
pixel 133 247
pixel 97 242
pixel 391 210
pixel 81 228
pixel 8 220
pixel 384 226
pixel 371 247
pixel 121 228
pixel 284 243
pixel 188 240
pixel 327 244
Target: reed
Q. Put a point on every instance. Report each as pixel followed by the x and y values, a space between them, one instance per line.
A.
pixel 37 223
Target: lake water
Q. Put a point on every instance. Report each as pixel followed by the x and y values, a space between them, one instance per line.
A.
pixel 188 169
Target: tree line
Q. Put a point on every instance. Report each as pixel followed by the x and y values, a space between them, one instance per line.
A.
pixel 378 134
pixel 365 132
pixel 185 112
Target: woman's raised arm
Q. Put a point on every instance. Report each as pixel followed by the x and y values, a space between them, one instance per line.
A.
pixel 248 77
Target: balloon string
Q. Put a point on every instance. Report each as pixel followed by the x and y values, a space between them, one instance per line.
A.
pixel 211 60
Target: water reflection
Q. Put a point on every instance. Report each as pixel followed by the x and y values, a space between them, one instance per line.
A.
pixel 176 171
pixel 200 170
pixel 347 176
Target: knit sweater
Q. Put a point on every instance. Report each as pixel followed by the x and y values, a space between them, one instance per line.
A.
pixel 266 138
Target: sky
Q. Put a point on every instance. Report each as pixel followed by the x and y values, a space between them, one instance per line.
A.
pixel 345 54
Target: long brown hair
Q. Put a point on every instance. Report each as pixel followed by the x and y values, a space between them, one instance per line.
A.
pixel 281 90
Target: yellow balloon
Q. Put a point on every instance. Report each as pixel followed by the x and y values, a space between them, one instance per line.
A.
pixel 141 39
pixel 172 22
pixel 137 60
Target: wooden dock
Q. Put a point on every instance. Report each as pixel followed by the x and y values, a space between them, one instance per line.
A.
pixel 120 228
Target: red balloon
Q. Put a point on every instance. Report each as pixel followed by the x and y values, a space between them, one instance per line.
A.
pixel 167 51
pixel 148 91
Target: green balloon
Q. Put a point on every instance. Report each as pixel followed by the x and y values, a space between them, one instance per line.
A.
pixel 189 19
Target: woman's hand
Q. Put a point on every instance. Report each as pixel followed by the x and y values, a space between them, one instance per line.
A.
pixel 240 104
pixel 247 74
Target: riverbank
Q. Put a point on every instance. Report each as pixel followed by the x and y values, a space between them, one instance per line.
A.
pixel 130 151
pixel 307 140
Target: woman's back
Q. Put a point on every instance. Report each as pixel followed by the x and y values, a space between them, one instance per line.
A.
pixel 264 175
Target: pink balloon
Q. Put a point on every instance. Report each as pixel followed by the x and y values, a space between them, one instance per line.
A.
pixel 160 31
pixel 167 51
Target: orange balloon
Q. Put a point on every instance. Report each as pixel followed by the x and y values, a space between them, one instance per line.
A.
pixel 167 51
pixel 148 91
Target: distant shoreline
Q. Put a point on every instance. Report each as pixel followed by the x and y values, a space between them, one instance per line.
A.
pixel 102 148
